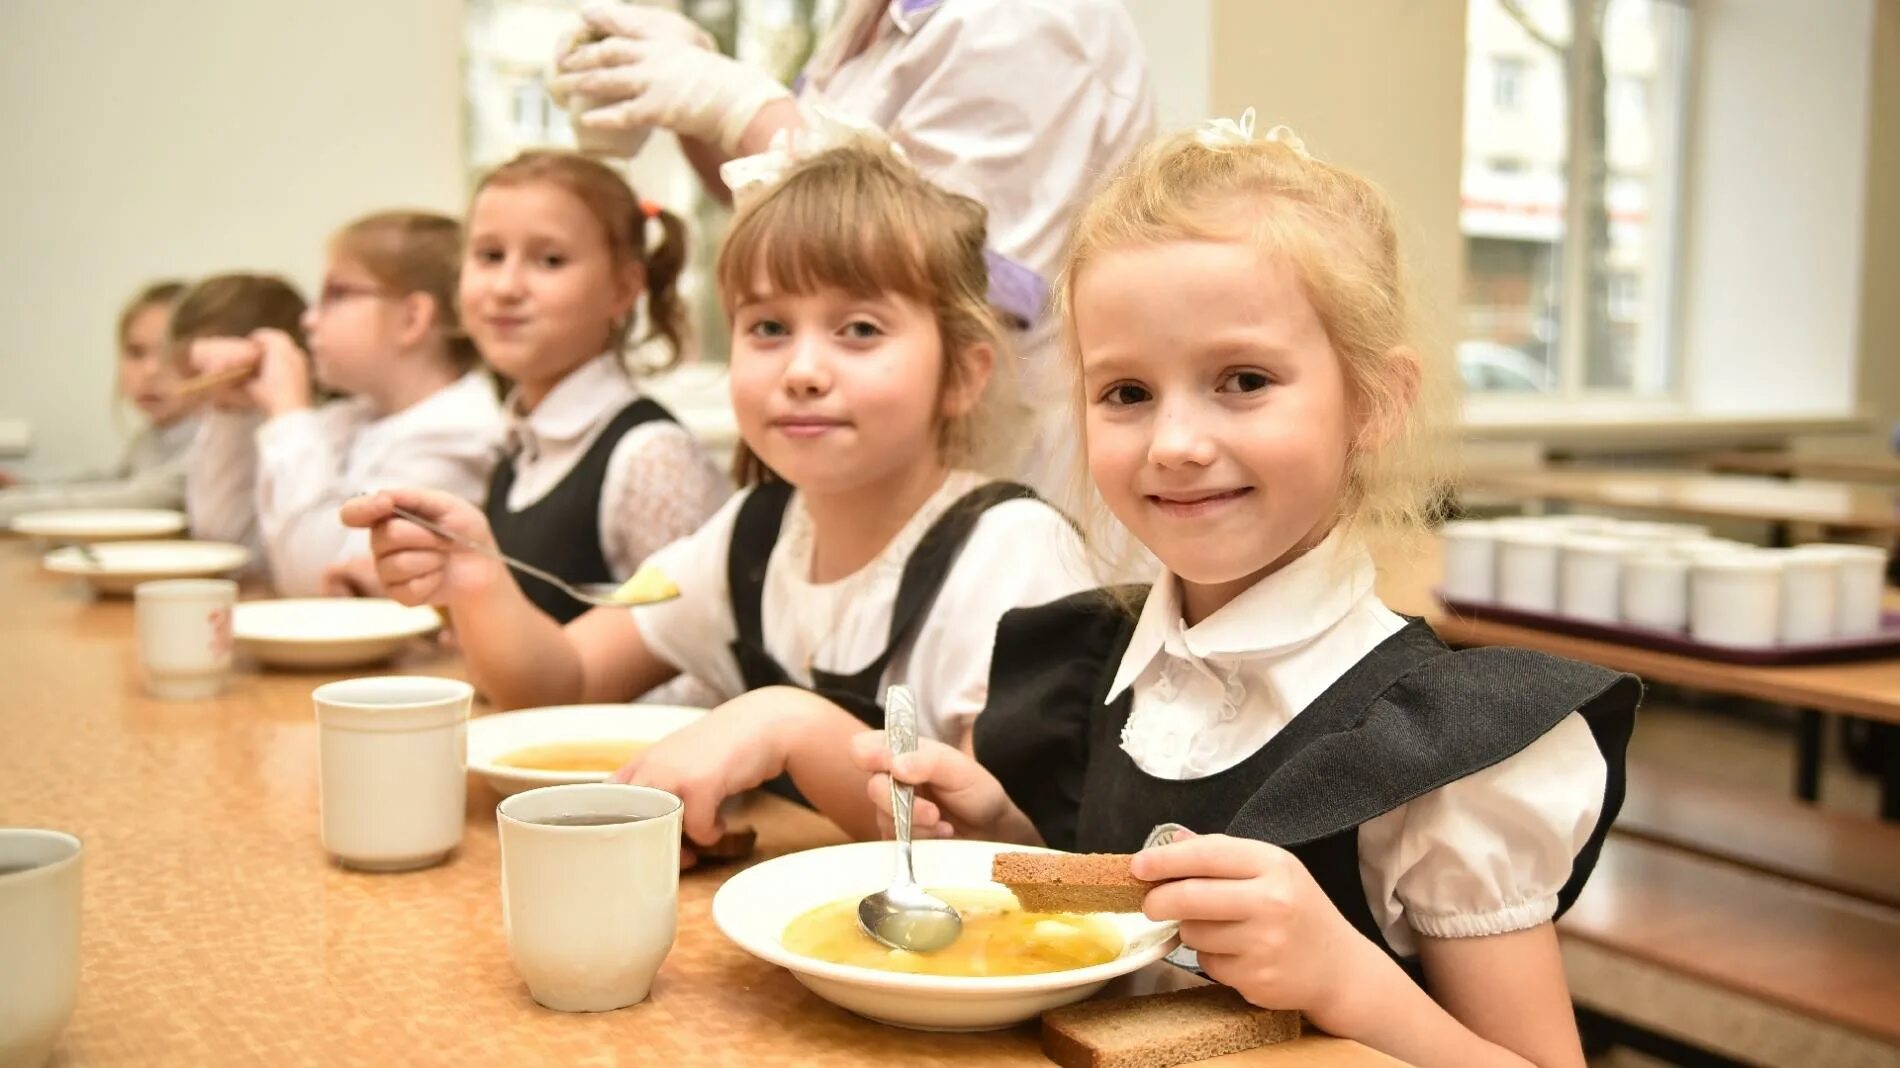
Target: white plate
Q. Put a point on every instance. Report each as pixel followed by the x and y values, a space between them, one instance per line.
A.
pixel 328 632
pixel 753 907
pixel 124 564
pixel 100 524
pixel 494 736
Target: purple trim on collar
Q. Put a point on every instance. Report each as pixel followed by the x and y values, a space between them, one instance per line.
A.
pixel 798 83
pixel 907 15
pixel 1015 290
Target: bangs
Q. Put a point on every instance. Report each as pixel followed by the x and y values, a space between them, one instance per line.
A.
pixel 832 228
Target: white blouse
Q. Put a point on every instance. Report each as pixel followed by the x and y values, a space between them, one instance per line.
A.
pixel 660 484
pixel 1483 855
pixel 308 462
pixel 1020 553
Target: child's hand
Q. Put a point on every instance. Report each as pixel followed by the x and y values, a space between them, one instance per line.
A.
pixel 282 382
pixel 416 566
pixel 1258 920
pixel 355 577
pixel 955 795
pixel 737 746
pixel 217 355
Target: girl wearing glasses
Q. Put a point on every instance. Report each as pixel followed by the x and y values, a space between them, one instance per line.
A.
pixel 415 407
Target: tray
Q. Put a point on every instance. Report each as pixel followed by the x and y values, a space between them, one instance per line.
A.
pixel 1881 643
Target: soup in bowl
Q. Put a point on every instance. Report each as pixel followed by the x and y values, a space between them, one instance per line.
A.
pixel 799 911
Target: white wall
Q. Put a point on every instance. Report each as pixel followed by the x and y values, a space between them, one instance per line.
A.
pixel 151 139
pixel 1774 223
pixel 1179 38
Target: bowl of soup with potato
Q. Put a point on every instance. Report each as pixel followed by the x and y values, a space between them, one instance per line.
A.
pixel 1007 965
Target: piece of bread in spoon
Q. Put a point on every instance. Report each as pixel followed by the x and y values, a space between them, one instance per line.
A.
pixel 1070 882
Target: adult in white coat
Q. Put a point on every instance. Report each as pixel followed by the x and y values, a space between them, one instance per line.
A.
pixel 1022 104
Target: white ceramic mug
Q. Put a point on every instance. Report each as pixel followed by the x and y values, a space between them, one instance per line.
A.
pixel 1527 566
pixel 1809 589
pixel 590 910
pixel 1591 581
pixel 39 941
pixel 392 769
pixel 1471 560
pixel 1860 579
pixel 1656 590
pixel 184 635
pixel 1735 599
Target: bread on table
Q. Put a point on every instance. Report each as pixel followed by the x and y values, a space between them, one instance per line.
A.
pixel 1070 882
pixel 1158 1030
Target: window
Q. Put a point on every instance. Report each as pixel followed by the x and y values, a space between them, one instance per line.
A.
pixel 1507 82
pixel 1569 196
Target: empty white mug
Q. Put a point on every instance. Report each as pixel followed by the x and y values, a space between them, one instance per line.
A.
pixel 590 908
pixel 184 635
pixel 392 764
pixel 1471 560
pixel 1590 586
pixel 39 941
pixel 1735 599
pixel 1527 565
pixel 1656 590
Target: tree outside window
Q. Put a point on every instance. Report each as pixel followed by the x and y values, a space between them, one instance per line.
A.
pixel 1571 248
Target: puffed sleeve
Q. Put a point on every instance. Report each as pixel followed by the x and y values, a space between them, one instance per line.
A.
pixel 1490 852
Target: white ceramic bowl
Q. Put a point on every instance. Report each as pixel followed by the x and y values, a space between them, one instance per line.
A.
pixel 328 632
pixel 494 736
pixel 753 907
pixel 100 524
pixel 124 564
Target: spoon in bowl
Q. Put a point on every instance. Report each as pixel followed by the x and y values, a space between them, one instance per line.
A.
pixel 902 916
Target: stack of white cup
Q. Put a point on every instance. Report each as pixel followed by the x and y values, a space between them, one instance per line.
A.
pixel 1667 577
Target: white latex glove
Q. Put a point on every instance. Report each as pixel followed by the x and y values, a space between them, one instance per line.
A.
pixel 664 81
pixel 579 51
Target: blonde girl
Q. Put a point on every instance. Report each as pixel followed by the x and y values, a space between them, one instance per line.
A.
pixel 866 550
pixel 1359 823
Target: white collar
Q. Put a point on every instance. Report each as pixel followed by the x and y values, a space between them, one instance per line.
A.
pixel 1282 611
pixel 574 407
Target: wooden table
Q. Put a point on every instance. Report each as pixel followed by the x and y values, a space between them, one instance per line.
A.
pixel 1883 469
pixel 216 931
pixel 1772 500
pixel 1869 689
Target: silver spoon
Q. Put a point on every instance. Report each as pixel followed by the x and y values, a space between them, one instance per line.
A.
pixel 902 916
pixel 526 568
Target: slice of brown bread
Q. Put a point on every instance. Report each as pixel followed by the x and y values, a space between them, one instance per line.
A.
pixel 1070 882
pixel 735 844
pixel 1158 1030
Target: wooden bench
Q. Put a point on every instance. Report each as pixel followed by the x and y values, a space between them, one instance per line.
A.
pixel 1742 964
pixel 1837 851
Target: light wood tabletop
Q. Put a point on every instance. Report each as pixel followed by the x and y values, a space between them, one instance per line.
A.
pixel 1882 469
pixel 215 930
pixel 1833 504
pixel 1865 688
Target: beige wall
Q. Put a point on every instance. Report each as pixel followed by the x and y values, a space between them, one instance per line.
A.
pixel 1880 276
pixel 1375 85
pixel 183 138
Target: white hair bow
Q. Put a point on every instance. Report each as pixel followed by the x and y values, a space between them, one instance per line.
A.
pixel 1217 133
pixel 824 129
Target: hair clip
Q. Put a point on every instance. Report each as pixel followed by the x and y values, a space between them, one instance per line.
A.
pixel 1219 133
pixel 651 209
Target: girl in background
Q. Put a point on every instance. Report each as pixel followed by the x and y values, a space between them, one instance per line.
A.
pixel 152 472
pixel 416 408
